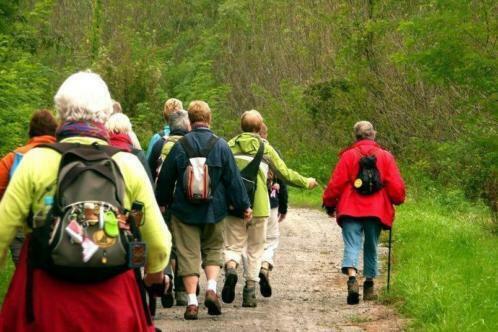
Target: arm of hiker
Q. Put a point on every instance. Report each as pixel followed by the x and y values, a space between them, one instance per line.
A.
pixel 167 179
pixel 16 203
pixel 393 182
pixel 290 176
pixel 235 189
pixel 338 181
pixel 154 231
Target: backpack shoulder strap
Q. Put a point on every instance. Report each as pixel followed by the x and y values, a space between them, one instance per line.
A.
pixel 209 146
pixel 63 148
pixel 189 150
pixel 251 169
pixel 191 153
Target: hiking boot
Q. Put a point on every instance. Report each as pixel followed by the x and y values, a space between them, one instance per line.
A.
pixel 249 295
pixel 181 298
pixel 353 291
pixel 212 302
pixel 167 299
pixel 228 292
pixel 191 312
pixel 368 291
pixel 264 282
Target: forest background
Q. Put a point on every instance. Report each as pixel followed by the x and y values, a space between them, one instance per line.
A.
pixel 424 72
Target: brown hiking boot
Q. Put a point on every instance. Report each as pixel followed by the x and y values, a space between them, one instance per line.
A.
pixel 191 312
pixel 369 291
pixel 212 302
pixel 249 295
pixel 264 282
pixel 353 291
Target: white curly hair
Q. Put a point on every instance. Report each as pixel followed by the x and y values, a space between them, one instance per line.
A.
pixel 83 96
pixel 119 123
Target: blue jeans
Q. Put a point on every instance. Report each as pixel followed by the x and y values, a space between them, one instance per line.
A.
pixel 352 234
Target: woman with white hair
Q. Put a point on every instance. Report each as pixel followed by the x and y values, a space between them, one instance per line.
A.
pixel 120 129
pixel 37 300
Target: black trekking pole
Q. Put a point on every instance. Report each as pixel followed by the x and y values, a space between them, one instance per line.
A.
pixel 389 260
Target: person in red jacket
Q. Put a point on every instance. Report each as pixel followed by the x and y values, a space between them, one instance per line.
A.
pixel 42 128
pixel 359 213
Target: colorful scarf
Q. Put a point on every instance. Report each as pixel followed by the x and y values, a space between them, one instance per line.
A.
pixel 82 128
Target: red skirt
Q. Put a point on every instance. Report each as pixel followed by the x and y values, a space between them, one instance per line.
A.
pixel 112 305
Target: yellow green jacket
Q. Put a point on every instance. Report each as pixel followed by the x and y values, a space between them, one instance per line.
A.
pixel 244 147
pixel 36 178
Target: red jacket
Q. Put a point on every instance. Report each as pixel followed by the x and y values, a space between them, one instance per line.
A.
pixel 8 160
pixel 340 193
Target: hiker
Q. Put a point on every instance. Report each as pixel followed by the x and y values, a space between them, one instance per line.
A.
pixel 198 204
pixel 362 190
pixel 116 108
pixel 179 120
pixel 249 147
pixel 171 105
pixel 120 129
pixel 277 190
pixel 84 281
pixel 179 125
pixel 42 128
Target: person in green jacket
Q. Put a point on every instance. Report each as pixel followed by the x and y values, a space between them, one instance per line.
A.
pixel 238 233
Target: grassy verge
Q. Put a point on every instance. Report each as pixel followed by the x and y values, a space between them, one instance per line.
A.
pixel 445 269
pixel 5 276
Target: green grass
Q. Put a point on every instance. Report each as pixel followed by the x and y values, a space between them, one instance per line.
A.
pixel 305 198
pixel 446 266
pixel 5 276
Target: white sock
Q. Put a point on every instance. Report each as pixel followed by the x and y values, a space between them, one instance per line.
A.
pixel 192 299
pixel 211 285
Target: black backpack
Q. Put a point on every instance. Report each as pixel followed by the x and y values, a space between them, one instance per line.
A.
pixel 249 176
pixel 81 239
pixel 368 181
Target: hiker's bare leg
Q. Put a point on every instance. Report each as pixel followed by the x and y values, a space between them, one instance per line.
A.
pixel 190 283
pixel 212 272
pixel 351 272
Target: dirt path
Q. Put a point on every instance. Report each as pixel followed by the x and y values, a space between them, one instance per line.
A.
pixel 308 289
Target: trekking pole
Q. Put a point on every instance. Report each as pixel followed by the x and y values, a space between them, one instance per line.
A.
pixel 389 260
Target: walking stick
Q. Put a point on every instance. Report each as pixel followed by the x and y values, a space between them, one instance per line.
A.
pixel 389 260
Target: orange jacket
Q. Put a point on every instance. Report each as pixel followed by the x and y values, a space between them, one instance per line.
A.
pixel 8 160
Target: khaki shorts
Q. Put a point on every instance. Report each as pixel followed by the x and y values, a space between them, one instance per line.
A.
pixel 196 244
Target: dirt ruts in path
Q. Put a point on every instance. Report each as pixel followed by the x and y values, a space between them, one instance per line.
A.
pixel 309 293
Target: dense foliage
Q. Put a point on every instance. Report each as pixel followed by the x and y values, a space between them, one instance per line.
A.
pixel 424 72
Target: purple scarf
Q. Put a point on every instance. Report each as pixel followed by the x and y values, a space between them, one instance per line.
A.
pixel 82 128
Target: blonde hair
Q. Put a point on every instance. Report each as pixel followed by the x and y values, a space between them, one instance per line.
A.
pixel 83 96
pixel 118 123
pixel 199 111
pixel 364 129
pixel 171 105
pixel 251 121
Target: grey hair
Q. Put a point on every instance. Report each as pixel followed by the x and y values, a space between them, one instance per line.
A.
pixel 179 120
pixel 364 129
pixel 83 96
pixel 118 123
